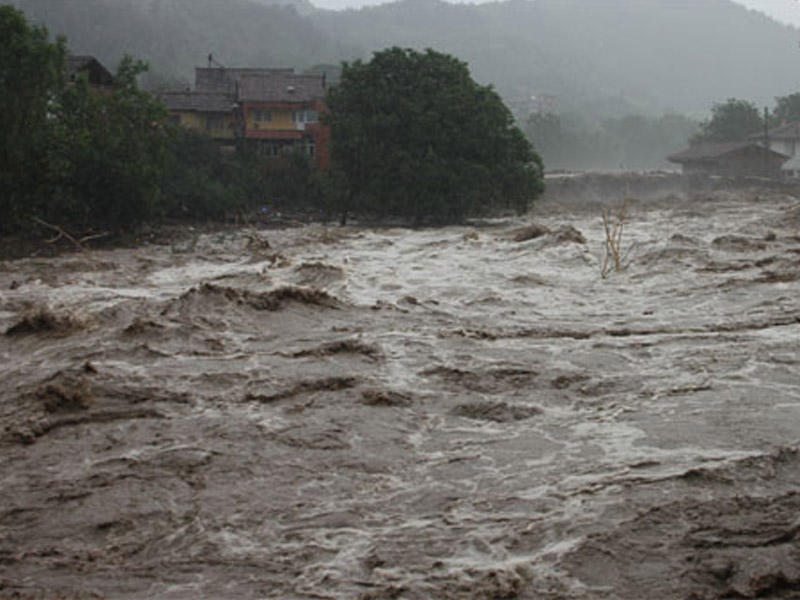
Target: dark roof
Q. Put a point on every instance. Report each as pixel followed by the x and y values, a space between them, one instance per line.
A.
pixel 198 101
pixel 281 87
pixel 221 79
pixel 711 151
pixel 75 62
pixel 787 131
pixel 98 74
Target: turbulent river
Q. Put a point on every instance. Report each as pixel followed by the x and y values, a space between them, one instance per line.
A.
pixel 468 412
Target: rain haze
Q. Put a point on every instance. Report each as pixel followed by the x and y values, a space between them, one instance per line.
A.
pixel 400 301
pixel 786 11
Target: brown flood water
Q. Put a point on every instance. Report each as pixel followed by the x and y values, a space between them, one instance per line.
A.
pixel 436 414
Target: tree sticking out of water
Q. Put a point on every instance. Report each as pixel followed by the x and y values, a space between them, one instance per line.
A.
pixel 616 257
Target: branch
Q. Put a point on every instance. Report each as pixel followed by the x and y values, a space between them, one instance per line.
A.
pixel 62 233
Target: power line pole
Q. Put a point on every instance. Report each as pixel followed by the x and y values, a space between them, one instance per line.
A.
pixel 766 142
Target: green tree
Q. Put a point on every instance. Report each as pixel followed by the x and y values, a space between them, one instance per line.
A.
pixel 200 181
pixel 787 109
pixel 113 151
pixel 31 78
pixel 69 153
pixel 415 136
pixel 730 121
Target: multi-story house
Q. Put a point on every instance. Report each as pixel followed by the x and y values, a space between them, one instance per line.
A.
pixel 270 111
pixel 212 113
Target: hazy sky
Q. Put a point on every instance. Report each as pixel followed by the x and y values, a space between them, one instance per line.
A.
pixel 787 11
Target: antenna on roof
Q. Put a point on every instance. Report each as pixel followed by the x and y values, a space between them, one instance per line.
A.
pixel 212 62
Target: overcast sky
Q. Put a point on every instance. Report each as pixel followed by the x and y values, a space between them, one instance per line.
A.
pixel 787 11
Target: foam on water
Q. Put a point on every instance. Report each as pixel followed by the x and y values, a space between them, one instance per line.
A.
pixel 514 413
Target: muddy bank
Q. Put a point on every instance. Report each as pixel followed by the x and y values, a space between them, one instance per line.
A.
pixel 470 412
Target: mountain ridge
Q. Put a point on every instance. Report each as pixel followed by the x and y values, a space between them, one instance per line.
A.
pixel 603 57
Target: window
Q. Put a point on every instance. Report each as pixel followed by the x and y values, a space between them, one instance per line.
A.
pixel 305 116
pixel 214 122
pixel 261 115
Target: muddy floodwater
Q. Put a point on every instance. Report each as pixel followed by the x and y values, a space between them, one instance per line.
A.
pixel 460 413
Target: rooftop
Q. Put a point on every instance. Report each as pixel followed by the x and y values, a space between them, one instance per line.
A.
pixel 98 74
pixel 281 87
pixel 713 150
pixel 787 131
pixel 199 101
pixel 223 79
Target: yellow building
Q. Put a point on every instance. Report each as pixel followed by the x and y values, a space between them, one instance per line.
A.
pixel 270 111
pixel 213 113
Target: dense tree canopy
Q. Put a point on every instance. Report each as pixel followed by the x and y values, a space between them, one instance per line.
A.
pixel 113 148
pixel 787 109
pixel 69 152
pixel 31 77
pixel 87 158
pixel 731 121
pixel 415 136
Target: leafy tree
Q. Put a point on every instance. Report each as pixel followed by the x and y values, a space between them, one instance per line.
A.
pixel 787 109
pixel 31 77
pixel 69 153
pixel 199 180
pixel 415 136
pixel 730 121
pixel 113 146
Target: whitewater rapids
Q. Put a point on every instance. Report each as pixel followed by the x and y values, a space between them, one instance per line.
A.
pixel 340 413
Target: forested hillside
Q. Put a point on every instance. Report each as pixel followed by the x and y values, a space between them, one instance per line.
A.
pixel 609 57
pixel 174 36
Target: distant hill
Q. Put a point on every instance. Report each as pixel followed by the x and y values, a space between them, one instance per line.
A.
pixel 303 7
pixel 610 55
pixel 175 36
pixel 605 57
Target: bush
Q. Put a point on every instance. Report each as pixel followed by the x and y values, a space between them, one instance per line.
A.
pixel 203 182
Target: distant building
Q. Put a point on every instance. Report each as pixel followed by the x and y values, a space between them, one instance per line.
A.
pixel 96 74
pixel 212 113
pixel 271 111
pixel 540 104
pixel 791 168
pixel 281 111
pixel 224 80
pixel 786 140
pixel 730 159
